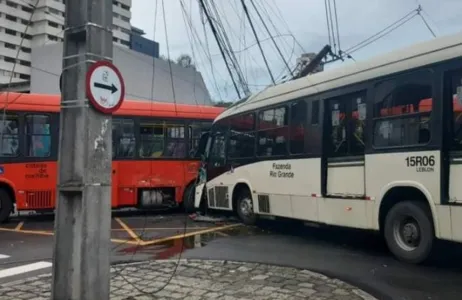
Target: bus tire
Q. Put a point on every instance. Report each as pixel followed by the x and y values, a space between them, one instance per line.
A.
pixel 409 231
pixel 188 199
pixel 6 206
pixel 244 208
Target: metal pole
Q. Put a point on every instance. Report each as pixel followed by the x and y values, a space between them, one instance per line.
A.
pixel 81 268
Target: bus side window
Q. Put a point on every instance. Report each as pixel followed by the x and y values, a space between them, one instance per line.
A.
pixel 457 110
pixel 401 115
pixel 347 115
pixel 38 135
pixel 151 140
pixel 273 132
pixel 297 125
pixel 175 141
pixel 241 142
pixel 123 138
pixel 217 153
pixel 195 133
pixel 10 132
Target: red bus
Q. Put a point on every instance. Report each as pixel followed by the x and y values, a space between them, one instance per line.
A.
pixel 154 152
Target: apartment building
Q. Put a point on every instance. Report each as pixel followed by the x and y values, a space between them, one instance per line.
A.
pixel 46 27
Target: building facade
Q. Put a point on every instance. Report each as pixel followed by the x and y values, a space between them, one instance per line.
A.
pixel 146 77
pixel 47 27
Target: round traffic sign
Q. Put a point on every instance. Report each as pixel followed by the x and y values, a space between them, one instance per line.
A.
pixel 105 87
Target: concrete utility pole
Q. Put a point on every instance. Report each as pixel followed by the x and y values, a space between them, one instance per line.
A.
pixel 81 268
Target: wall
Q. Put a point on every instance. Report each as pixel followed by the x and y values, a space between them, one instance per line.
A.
pixel 137 70
pixel 144 45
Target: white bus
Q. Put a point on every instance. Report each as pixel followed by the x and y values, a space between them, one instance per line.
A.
pixel 374 145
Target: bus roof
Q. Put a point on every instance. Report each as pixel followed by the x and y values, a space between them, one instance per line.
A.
pixel 51 103
pixel 421 54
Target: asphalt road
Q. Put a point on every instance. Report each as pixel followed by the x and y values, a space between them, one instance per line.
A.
pixel 356 257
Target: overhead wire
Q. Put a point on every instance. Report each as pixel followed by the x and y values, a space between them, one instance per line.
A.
pixel 271 36
pixel 387 30
pixel 258 40
pixel 172 275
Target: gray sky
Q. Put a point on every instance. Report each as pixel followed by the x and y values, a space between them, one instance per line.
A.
pixel 306 20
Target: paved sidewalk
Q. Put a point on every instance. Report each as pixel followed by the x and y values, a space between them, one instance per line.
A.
pixel 200 280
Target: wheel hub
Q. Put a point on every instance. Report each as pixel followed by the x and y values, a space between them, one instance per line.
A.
pixel 246 207
pixel 407 234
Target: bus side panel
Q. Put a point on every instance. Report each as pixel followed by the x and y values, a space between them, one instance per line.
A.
pixel 420 169
pixel 131 175
pixel 35 184
pixel 190 169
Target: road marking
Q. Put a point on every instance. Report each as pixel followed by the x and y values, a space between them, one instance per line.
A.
pixel 48 233
pixel 180 236
pixel 128 230
pixel 3 256
pixel 19 226
pixel 162 228
pixel 24 269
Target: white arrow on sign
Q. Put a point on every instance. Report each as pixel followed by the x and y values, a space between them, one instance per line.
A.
pixel 106 86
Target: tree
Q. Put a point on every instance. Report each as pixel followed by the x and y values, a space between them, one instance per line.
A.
pixel 223 104
pixel 185 61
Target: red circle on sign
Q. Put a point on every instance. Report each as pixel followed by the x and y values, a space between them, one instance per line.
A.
pixel 89 93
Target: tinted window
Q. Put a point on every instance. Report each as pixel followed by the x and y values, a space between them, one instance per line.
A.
pixel 123 138
pixel 242 136
pixel 10 132
pixel 402 111
pixel 195 132
pixel 298 115
pixel 176 142
pixel 38 136
pixel 151 139
pixel 456 82
pixel 273 132
pixel 347 117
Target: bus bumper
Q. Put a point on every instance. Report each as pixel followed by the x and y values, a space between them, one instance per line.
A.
pixel 198 195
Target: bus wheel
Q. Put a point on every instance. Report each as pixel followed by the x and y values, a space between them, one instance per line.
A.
pixel 409 231
pixel 188 199
pixel 6 206
pixel 245 208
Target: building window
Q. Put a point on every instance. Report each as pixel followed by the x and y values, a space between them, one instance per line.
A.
pixel 38 136
pixel 26 49
pixel 24 76
pixel 11 4
pixel 52 38
pixel 27 9
pixel 54 11
pixel 11 18
pixel 25 63
pixel 125 43
pixel 126 7
pixel 26 22
pixel 124 18
pixel 10 59
pixel 10 32
pixel 53 24
pixel 10 46
pixel 26 36
pixel 10 132
pixel 114 39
